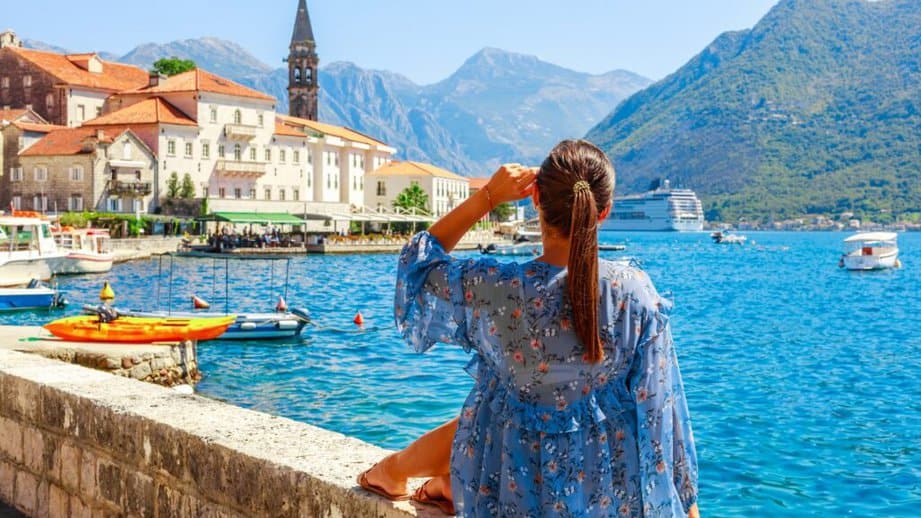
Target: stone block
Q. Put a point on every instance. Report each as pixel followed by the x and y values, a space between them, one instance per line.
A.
pixel 126 363
pixel 88 475
pixel 158 364
pixel 56 410
pixel 33 449
pixel 209 469
pixel 43 499
pixel 169 450
pixel 10 440
pixel 140 495
pixel 58 502
pixel 78 509
pixel 51 457
pixel 21 399
pixel 70 467
pixel 26 492
pixel 7 481
pixel 140 371
pixel 110 480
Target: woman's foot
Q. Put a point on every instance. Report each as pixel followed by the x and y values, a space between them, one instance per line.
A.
pixel 436 491
pixel 378 480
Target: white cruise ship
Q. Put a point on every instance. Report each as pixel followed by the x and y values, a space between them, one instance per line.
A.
pixel 660 209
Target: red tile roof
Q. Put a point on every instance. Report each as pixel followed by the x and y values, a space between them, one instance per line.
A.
pixel 114 76
pixel 478 183
pixel 66 142
pixel 415 169
pixel 288 131
pixel 199 80
pixel 150 111
pixel 38 128
pixel 328 129
pixel 11 115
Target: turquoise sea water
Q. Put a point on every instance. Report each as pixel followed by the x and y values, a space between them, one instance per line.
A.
pixel 802 379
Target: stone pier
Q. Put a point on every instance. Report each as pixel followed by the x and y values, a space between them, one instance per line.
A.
pixel 79 442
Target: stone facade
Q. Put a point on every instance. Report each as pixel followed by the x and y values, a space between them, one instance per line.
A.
pixel 25 85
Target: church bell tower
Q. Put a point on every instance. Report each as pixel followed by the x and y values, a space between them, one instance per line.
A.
pixel 303 88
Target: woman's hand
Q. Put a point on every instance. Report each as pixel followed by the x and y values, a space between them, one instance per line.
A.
pixel 510 183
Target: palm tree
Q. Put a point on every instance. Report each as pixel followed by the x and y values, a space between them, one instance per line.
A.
pixel 413 199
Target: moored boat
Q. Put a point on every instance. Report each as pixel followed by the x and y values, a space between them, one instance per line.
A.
pixel 35 296
pixel 246 326
pixel 27 250
pixel 871 251
pixel 726 238
pixel 89 328
pixel 88 251
pixel 524 248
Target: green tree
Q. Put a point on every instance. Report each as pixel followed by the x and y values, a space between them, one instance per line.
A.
pixel 172 66
pixel 412 197
pixel 502 212
pixel 172 186
pixel 188 188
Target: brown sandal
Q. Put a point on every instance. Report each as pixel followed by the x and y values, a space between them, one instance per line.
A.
pixel 422 496
pixel 363 482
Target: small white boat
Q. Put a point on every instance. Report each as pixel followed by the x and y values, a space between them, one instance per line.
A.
pixel 35 296
pixel 726 238
pixel 88 250
pixel 27 250
pixel 871 251
pixel 524 248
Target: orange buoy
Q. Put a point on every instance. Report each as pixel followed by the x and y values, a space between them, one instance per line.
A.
pixel 281 306
pixel 106 294
pixel 359 320
pixel 199 303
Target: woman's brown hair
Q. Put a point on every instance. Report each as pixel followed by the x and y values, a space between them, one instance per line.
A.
pixel 575 184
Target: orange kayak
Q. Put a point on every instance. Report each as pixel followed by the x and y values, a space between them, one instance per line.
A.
pixel 88 328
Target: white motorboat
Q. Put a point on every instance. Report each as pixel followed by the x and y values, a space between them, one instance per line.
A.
pixel 727 238
pixel 523 248
pixel 871 251
pixel 27 250
pixel 88 250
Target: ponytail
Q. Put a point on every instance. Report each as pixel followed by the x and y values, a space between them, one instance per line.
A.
pixel 583 270
pixel 576 183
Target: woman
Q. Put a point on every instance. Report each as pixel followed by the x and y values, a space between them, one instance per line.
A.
pixel 578 407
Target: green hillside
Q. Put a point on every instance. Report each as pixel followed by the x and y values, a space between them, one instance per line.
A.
pixel 817 109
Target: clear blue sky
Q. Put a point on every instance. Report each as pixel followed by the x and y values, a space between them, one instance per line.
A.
pixel 425 40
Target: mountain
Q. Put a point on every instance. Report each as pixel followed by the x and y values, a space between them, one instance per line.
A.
pixel 222 57
pixel 815 110
pixel 498 107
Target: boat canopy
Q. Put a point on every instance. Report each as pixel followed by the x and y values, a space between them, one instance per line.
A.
pixel 274 218
pixel 864 237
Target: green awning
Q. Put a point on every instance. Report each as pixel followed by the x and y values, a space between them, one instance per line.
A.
pixel 274 218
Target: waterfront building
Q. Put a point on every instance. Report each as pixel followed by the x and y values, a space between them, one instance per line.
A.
pixel 19 130
pixel 65 89
pixel 445 189
pixel 68 169
pixel 303 63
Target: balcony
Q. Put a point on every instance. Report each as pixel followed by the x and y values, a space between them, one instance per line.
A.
pixel 240 169
pixel 240 132
pixel 120 188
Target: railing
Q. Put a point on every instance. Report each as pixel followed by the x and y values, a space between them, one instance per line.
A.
pixel 120 187
pixel 240 168
pixel 240 131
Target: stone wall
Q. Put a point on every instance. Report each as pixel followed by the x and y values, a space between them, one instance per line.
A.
pixel 78 442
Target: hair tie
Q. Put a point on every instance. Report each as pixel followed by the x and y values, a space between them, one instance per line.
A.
pixel 580 186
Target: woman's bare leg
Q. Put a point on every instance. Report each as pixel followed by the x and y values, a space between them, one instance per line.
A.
pixel 427 456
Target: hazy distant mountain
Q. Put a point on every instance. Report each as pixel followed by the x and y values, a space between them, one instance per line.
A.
pixel 816 109
pixel 41 45
pixel 215 55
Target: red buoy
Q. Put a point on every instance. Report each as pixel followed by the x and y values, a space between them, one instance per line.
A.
pixel 359 320
pixel 199 303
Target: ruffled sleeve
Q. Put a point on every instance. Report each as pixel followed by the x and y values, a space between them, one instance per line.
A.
pixel 429 305
pixel 668 460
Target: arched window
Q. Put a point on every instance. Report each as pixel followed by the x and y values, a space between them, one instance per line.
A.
pixel 49 101
pixel 237 152
pixel 237 117
pixel 297 76
pixel 308 76
pixel 126 151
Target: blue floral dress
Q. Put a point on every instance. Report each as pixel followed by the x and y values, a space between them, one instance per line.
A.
pixel 543 433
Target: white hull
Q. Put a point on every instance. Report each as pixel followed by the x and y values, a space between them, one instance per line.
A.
pixel 19 272
pixel 528 249
pixel 652 225
pixel 871 262
pixel 79 262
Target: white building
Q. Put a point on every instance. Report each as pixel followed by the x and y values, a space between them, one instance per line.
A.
pixel 445 189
